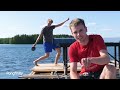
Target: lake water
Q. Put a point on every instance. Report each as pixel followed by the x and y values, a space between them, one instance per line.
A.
pixel 16 60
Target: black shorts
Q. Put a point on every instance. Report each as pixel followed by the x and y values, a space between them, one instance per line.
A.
pixel 91 75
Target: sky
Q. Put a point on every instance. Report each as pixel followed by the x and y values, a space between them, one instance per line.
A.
pixel 105 23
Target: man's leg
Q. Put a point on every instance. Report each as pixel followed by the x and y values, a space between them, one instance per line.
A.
pixel 58 50
pixel 109 72
pixel 47 49
pixel 41 58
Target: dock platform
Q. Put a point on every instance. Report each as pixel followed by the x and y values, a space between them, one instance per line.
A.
pixel 50 71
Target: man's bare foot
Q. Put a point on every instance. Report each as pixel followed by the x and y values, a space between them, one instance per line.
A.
pixel 55 64
pixel 35 62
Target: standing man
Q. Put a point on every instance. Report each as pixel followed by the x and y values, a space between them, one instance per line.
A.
pixel 91 52
pixel 47 34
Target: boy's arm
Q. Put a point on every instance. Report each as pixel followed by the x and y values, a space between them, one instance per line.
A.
pixel 61 23
pixel 38 38
pixel 73 70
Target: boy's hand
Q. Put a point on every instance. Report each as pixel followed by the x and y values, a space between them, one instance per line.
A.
pixel 33 48
pixel 67 19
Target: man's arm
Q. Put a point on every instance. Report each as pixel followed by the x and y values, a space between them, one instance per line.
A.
pixel 102 59
pixel 73 70
pixel 61 23
pixel 38 38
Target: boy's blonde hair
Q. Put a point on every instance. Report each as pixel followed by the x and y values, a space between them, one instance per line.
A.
pixel 76 22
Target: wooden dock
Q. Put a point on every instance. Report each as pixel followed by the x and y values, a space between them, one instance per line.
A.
pixel 50 71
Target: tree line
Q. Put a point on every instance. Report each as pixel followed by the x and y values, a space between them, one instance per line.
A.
pixel 28 39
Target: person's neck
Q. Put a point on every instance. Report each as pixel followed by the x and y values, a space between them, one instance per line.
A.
pixel 49 25
pixel 85 41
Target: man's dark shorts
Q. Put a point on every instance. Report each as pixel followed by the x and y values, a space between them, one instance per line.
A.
pixel 91 75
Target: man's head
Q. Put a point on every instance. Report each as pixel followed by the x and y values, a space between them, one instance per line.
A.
pixel 50 21
pixel 76 22
pixel 78 29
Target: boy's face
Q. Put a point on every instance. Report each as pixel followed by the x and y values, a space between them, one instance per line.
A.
pixel 50 21
pixel 79 32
